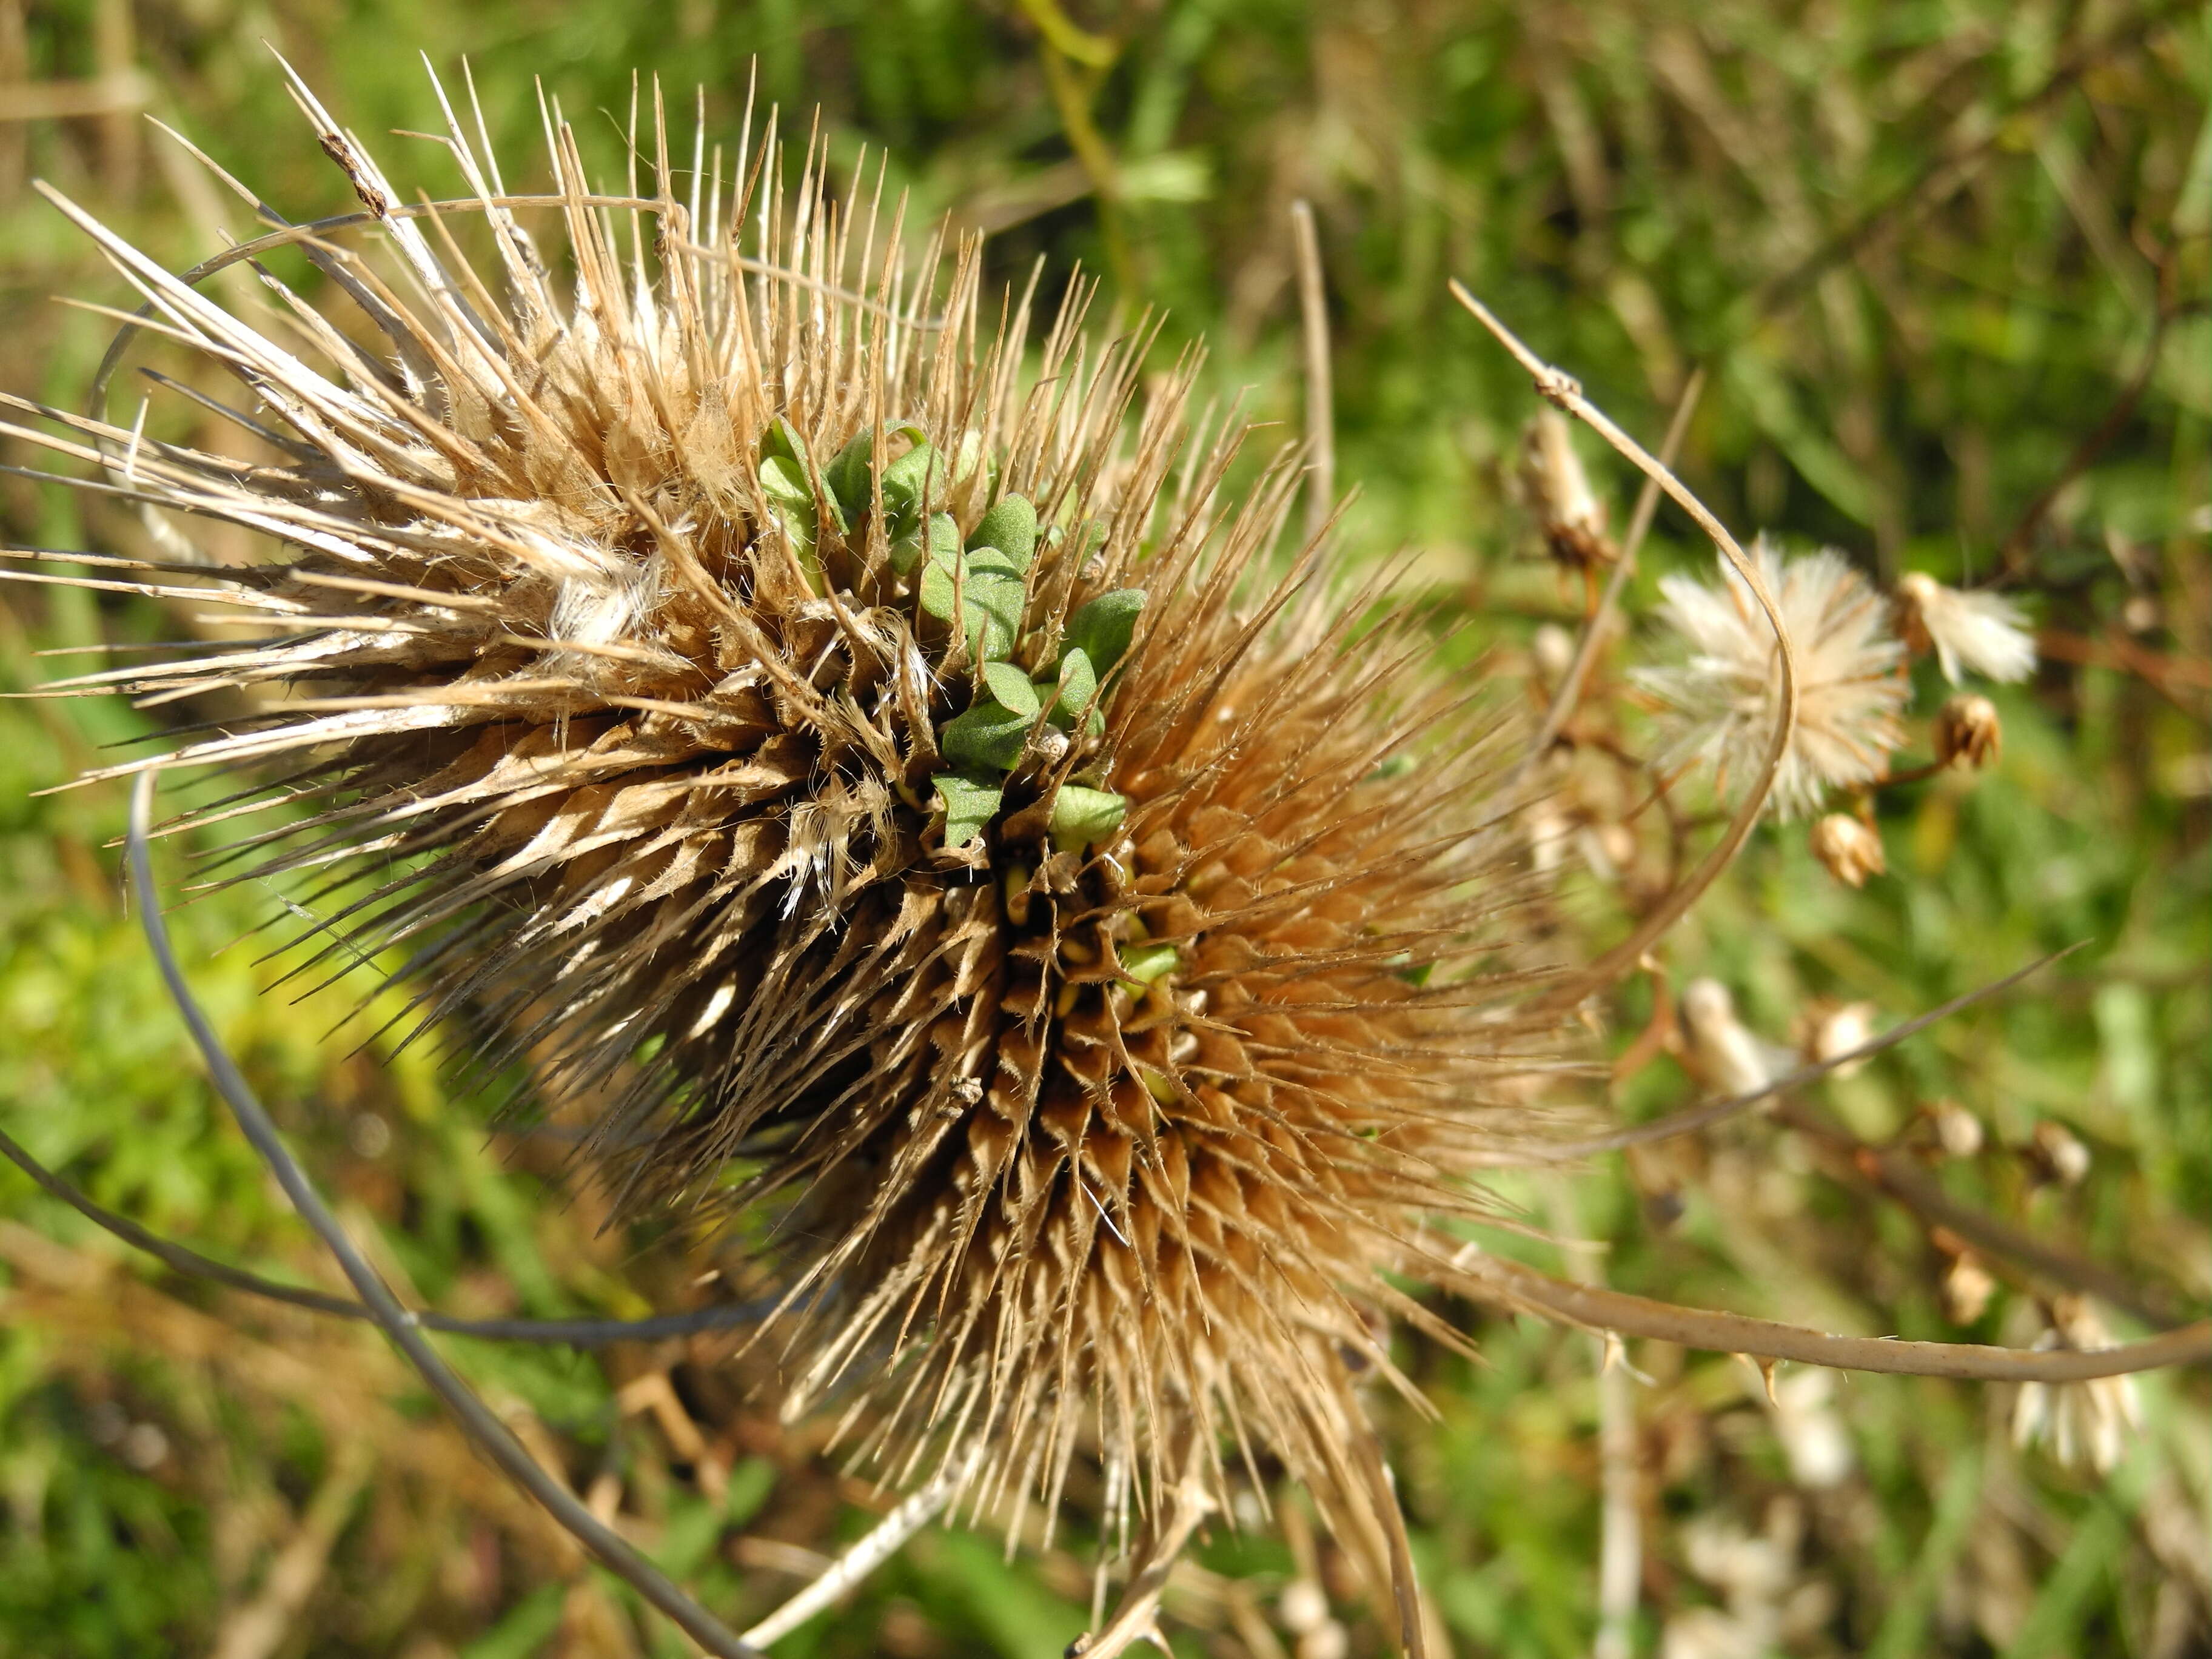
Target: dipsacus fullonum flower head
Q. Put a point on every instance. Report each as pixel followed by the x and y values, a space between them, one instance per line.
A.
pixel 874 780
pixel 1719 706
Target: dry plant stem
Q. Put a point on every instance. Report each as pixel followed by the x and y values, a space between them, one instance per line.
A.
pixel 1320 397
pixel 1562 390
pixel 1640 525
pixel 1893 1173
pixel 1136 1616
pixel 574 1333
pixel 262 1627
pixel 1620 1530
pixel 1695 1118
pixel 887 1537
pixel 1620 1520
pixel 489 1435
pixel 1599 1310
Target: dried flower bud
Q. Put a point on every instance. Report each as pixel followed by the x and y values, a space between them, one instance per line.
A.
pixel 1849 849
pixel 1304 1607
pixel 1830 1029
pixel 1553 649
pixel 1968 731
pixel 1958 1131
pixel 1967 1288
pixel 1558 493
pixel 2060 1152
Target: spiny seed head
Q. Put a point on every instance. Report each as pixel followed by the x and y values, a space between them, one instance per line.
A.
pixel 878 779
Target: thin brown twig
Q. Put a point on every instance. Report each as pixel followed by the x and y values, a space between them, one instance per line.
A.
pixel 1562 390
pixel 1893 1172
pixel 1320 398
pixel 1495 1279
pixel 1692 1119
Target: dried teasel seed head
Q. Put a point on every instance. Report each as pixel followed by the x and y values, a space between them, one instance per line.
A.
pixel 1568 511
pixel 1967 731
pixel 867 776
pixel 1848 848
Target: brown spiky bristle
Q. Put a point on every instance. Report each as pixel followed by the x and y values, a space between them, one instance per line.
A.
pixel 881 777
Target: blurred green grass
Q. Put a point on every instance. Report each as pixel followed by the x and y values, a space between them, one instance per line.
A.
pixel 1923 249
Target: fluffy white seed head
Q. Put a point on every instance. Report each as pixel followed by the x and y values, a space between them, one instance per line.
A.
pixel 1719 705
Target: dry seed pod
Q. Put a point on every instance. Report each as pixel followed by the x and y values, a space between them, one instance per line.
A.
pixel 1849 849
pixel 2058 1151
pixel 1958 1131
pixel 1968 731
pixel 1568 511
pixel 840 759
pixel 1966 1289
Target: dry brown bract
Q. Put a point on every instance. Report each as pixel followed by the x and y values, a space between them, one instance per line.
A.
pixel 1082 1076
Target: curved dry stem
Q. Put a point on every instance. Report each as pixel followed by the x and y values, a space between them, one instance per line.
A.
pixel 1692 1119
pixel 1321 399
pixel 568 1333
pixel 885 1541
pixel 1561 389
pixel 1493 1279
pixel 490 1436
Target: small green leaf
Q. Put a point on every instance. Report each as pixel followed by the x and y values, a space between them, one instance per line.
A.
pixel 944 551
pixel 988 734
pixel 1013 689
pixel 1078 686
pixel 783 481
pixel 1010 526
pixel 1143 964
pixel 1081 816
pixel 969 457
pixel 847 476
pixel 1102 629
pixel 919 473
pixel 994 613
pixel 969 804
pixel 783 439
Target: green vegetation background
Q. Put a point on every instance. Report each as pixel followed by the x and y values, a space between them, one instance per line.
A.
pixel 1926 249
